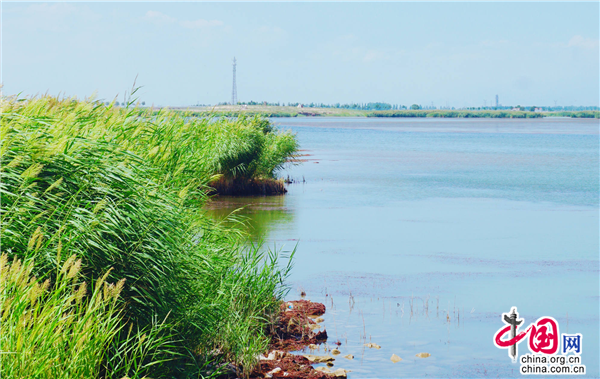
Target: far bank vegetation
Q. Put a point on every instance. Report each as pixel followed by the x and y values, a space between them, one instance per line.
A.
pixel 294 111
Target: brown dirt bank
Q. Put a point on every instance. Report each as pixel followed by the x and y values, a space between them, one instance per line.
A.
pixel 289 366
pixel 294 330
pixel 248 187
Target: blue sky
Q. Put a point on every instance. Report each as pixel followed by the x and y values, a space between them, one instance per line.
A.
pixel 456 54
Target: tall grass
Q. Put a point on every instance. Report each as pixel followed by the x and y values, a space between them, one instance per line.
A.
pixel 54 332
pixel 62 329
pixel 122 190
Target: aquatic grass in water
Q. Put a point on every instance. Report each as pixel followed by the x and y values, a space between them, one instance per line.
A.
pixel 123 193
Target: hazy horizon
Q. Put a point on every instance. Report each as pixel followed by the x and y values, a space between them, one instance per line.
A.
pixel 448 54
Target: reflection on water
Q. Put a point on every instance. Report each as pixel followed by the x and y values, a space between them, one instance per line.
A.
pixel 460 219
pixel 256 214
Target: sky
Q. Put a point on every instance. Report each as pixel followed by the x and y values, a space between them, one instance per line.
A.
pixel 445 54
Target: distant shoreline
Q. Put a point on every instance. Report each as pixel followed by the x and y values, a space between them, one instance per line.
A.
pixel 288 111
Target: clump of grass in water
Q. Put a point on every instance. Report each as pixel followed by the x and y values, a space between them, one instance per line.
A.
pixel 246 153
pixel 123 191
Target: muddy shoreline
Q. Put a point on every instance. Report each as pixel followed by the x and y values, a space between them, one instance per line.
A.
pixel 297 328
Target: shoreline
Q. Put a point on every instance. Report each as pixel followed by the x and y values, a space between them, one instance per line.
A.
pixel 298 328
pixel 285 111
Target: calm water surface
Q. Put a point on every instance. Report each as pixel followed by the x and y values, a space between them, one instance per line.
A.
pixel 419 234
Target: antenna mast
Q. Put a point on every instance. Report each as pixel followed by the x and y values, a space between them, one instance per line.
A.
pixel 234 91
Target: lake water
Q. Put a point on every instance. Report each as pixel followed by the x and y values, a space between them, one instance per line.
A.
pixel 419 233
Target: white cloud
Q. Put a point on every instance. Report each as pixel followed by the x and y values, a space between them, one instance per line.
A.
pixel 57 17
pixel 200 23
pixel 268 35
pixel 493 43
pixel 373 55
pixel 584 43
pixel 270 30
pixel 159 18
pixel 57 9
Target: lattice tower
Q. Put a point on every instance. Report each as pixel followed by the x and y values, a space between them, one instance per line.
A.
pixel 234 90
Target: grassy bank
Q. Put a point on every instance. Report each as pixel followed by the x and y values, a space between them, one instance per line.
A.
pixel 578 114
pixel 109 267
pixel 273 111
pixel 455 114
pixel 285 111
pixel 482 114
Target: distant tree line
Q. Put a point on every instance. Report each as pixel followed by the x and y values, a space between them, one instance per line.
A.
pixel 380 106
pixel 107 103
pixel 359 106
pixel 252 102
pixel 532 108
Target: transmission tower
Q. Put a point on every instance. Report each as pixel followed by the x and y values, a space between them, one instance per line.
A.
pixel 234 91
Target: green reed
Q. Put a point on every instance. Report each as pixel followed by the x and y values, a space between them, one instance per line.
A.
pixel 122 190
